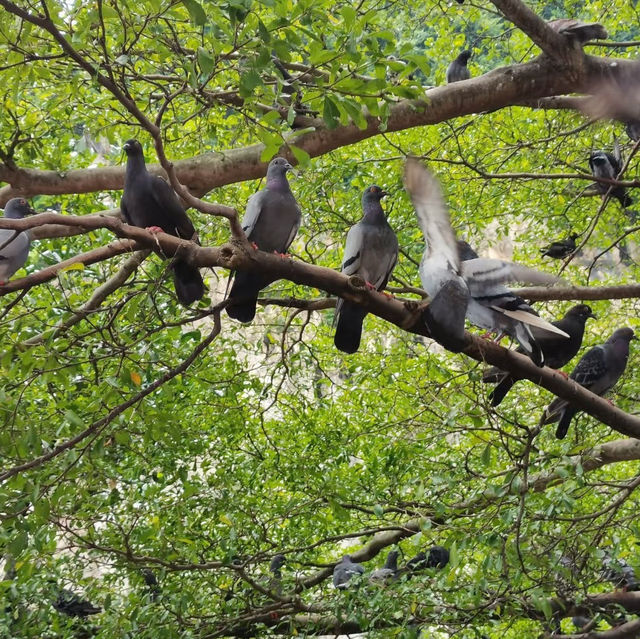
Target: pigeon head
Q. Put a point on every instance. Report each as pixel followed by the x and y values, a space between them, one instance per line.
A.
pixel 582 312
pixel 622 335
pixel 464 56
pixel 277 174
pixel 132 147
pixel 598 158
pixel 16 208
pixel 372 194
pixel 574 236
pixel 277 562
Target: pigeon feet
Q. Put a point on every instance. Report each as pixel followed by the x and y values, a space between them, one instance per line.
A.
pixel 3 282
pixel 370 286
pixel 284 256
pixel 154 229
pixel 561 373
pixel 255 246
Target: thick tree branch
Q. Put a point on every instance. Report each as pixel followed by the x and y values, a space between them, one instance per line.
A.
pixel 500 88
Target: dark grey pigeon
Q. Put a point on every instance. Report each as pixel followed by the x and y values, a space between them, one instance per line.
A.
pixel 598 371
pixel 14 247
pixel 371 251
pixel 271 221
pixel 580 621
pixel 150 202
pixel 458 70
pixel 344 571
pixel 606 165
pixel 557 350
pixel 465 251
pixel 152 583
pixel 438 557
pixel 388 571
pixel 633 130
pixel 581 31
pixel 72 605
pixel 561 248
pixel 472 288
pixel 619 573
pixel 275 568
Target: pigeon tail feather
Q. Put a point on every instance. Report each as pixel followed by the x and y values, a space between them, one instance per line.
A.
pixel 349 327
pixel 500 391
pixel 244 296
pixel 188 283
pixel 565 422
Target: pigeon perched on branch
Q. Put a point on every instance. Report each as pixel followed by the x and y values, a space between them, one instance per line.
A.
pixel 388 571
pixel 608 166
pixel 150 202
pixel 271 221
pixel 14 245
pixel 72 605
pixel 561 248
pixel 557 350
pixel 619 573
pixel 371 252
pixel 582 31
pixel 598 371
pixel 473 288
pixel 458 70
pixel 344 571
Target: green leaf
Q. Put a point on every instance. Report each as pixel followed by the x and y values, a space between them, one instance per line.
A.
pixel 205 60
pixel 196 12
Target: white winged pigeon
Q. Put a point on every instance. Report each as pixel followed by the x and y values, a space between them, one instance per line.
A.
pixel 371 251
pixel 271 221
pixel 150 202
pixel 472 288
pixel 608 166
pixel 388 571
pixel 598 371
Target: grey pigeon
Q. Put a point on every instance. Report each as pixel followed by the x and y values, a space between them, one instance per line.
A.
pixel 633 130
pixel 557 350
pixel 388 571
pixel 561 248
pixel 345 571
pixel 581 31
pixel 619 573
pixel 607 165
pixel 598 371
pixel 458 70
pixel 472 288
pixel 371 252
pixel 72 605
pixel 14 247
pixel 271 221
pixel 150 202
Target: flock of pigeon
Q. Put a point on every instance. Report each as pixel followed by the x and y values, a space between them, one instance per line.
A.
pixel 460 284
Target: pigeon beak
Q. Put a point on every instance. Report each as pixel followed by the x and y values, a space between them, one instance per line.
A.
pixel 290 169
pixel 126 147
pixel 595 317
pixel 383 194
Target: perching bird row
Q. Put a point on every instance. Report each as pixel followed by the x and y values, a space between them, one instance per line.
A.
pixel 461 286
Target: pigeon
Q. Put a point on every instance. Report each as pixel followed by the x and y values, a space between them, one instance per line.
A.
pixel 344 571
pixel 72 605
pixel 619 573
pixel 275 568
pixel 582 31
pixel 598 371
pixel 472 288
pixel 458 70
pixel 633 130
pixel 150 202
pixel 271 222
pixel 371 251
pixel 388 571
pixel 152 583
pixel 465 252
pixel 561 248
pixel 14 247
pixel 607 165
pixel 579 621
pixel 557 351
pixel 438 557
